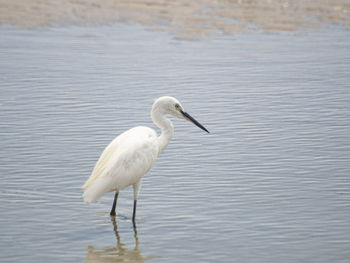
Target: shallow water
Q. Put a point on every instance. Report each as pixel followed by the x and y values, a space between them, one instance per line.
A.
pixel 270 183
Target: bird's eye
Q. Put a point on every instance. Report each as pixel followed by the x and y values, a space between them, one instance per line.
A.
pixel 177 106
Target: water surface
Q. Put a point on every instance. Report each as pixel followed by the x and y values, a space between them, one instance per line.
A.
pixel 270 183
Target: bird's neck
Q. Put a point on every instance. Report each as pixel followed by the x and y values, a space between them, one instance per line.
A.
pixel 166 127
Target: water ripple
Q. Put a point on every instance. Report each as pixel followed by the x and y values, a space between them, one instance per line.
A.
pixel 270 183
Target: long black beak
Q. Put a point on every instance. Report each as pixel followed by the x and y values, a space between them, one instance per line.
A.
pixel 188 117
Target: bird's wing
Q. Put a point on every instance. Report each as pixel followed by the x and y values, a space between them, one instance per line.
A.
pixel 102 162
pixel 124 161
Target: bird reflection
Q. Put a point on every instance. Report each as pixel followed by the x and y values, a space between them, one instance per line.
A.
pixel 116 254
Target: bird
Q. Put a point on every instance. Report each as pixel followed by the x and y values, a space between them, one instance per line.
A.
pixel 131 155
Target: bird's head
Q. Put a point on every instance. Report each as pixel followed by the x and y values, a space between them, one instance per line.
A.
pixel 169 105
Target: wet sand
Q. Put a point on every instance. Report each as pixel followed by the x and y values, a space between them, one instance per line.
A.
pixel 184 19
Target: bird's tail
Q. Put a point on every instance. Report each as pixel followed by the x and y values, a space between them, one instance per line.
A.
pixel 95 191
pixel 88 198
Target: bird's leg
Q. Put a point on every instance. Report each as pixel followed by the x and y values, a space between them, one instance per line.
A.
pixel 136 187
pixel 114 204
pixel 134 213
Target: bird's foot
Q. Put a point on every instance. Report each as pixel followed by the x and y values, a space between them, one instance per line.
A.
pixel 113 213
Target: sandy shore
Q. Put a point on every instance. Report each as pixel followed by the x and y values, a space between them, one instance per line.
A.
pixel 185 19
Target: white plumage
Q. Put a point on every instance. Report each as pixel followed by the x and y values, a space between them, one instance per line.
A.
pixel 131 155
pixel 123 163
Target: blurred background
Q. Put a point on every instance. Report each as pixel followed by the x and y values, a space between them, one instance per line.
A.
pixel 269 79
pixel 184 19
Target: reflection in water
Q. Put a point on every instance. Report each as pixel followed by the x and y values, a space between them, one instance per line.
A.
pixel 116 254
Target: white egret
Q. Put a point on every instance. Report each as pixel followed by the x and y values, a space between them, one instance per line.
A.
pixel 131 155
